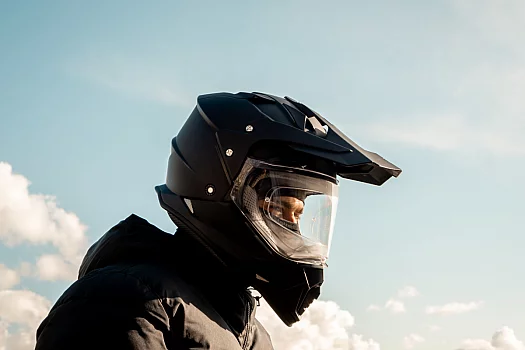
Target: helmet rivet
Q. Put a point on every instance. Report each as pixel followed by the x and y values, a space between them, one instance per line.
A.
pixel 229 152
pixel 249 128
pixel 210 189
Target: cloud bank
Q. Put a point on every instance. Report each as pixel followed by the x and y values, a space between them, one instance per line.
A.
pixel 324 326
pixel 36 219
pixel 33 219
pixel 503 339
pixel 24 309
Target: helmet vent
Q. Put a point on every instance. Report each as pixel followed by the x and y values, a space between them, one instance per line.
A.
pixel 316 127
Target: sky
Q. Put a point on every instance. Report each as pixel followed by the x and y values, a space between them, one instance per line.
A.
pixel 91 94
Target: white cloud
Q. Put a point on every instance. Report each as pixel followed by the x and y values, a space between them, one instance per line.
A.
pixel 323 326
pixel 8 278
pixel 373 307
pixel 408 292
pixel 53 267
pixel 24 309
pixel 476 344
pixel 358 343
pixel 37 219
pixel 135 79
pixel 453 308
pixel 23 340
pixel 410 341
pixel 25 269
pixel 503 339
pixel 395 306
pixel 33 219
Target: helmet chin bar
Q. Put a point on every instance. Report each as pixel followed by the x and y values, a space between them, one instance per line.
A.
pixel 289 293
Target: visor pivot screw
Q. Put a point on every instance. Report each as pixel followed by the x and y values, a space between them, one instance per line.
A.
pixel 210 190
pixel 229 152
pixel 267 199
pixel 249 128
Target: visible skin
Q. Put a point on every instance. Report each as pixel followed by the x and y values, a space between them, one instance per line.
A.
pixel 288 208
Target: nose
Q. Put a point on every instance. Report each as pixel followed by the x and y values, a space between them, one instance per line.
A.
pixel 289 215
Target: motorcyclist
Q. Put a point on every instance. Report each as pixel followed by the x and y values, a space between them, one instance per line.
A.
pixel 252 187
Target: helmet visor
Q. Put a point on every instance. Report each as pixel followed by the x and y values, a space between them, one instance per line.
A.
pixel 292 209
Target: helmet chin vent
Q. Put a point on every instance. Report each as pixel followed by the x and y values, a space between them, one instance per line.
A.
pixel 309 298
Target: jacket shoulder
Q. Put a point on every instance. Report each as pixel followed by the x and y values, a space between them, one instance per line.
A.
pixel 111 297
pixel 106 309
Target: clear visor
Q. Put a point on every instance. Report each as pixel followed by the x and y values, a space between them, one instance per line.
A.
pixel 292 209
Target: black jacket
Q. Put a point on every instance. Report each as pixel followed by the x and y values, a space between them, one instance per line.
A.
pixel 142 288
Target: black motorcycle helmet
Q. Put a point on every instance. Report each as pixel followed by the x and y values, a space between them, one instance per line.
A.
pixel 254 178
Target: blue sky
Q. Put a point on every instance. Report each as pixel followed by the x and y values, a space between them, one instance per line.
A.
pixel 92 93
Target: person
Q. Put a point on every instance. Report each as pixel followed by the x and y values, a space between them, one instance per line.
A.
pixel 252 187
